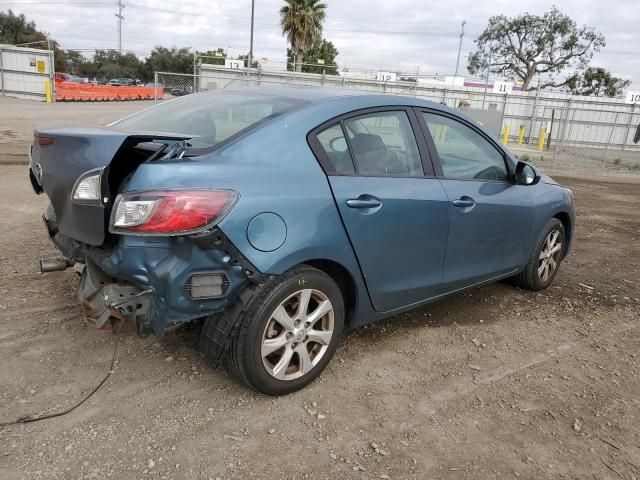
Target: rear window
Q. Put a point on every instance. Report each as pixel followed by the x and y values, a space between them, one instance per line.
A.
pixel 209 118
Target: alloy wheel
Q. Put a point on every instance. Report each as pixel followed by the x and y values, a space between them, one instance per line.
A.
pixel 297 334
pixel 549 258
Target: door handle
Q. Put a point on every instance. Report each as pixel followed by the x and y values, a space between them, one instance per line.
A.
pixel 464 202
pixel 363 203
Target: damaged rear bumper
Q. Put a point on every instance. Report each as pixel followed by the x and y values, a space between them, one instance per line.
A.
pixel 149 280
pixel 108 302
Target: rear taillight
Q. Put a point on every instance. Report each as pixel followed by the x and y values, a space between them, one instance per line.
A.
pixel 170 212
pixel 42 140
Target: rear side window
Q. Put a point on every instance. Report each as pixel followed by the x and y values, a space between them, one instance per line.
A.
pixel 383 144
pixel 335 146
pixel 209 118
pixel 464 154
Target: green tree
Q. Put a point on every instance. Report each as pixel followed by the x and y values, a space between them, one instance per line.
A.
pixel 527 46
pixel 301 22
pixel 75 61
pixel 174 60
pixel 320 50
pixel 598 81
pixel 15 30
pixel 113 64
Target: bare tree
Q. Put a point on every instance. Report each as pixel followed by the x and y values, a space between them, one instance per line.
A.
pixel 527 46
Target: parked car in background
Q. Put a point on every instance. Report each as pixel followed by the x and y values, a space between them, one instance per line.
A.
pixel 122 82
pixel 67 77
pixel 282 216
pixel 180 90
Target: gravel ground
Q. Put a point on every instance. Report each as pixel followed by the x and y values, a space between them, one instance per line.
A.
pixel 495 382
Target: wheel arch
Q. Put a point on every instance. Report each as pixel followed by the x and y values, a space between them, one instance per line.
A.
pixel 345 282
pixel 565 218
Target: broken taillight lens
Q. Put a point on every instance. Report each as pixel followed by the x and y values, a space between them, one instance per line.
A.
pixel 42 140
pixel 170 212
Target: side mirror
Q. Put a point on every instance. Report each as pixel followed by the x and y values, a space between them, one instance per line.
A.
pixel 526 174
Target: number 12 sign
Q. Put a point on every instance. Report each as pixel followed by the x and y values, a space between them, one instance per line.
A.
pixel 633 97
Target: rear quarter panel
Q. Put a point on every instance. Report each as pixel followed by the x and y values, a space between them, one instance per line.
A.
pixel 275 171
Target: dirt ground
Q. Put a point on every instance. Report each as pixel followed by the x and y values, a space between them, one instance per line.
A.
pixel 495 382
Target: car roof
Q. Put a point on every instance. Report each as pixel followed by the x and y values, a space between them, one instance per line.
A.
pixel 297 92
pixel 312 95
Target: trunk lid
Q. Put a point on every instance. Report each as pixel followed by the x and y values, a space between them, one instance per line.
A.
pixel 73 151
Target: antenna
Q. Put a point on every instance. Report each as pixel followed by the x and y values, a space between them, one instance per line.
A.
pixel 120 6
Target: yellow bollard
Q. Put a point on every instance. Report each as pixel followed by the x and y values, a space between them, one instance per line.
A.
pixel 521 135
pixel 542 138
pixel 505 135
pixel 47 88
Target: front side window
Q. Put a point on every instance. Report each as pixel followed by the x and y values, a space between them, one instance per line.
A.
pixel 464 153
pixel 209 118
pixel 382 143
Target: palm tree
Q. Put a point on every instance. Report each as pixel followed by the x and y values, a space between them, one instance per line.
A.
pixel 301 22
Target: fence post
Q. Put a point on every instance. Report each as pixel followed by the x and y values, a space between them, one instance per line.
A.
pixel 155 87
pixel 613 127
pixel 52 73
pixel 533 114
pixel 194 73
pixel 629 124
pixel 1 72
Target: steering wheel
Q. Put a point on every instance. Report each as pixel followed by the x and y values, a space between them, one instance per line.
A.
pixel 490 173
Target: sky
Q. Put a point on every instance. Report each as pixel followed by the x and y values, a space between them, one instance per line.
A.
pixel 395 35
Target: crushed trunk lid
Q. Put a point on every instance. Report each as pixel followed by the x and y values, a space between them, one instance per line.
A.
pixel 69 152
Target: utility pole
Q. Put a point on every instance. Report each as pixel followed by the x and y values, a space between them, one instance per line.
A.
pixel 120 6
pixel 460 48
pixel 250 59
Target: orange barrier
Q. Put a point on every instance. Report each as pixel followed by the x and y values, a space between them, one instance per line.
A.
pixel 88 92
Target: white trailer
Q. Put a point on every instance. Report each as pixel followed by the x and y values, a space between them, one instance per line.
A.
pixel 24 72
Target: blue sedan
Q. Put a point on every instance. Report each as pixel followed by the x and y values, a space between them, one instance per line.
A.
pixel 281 216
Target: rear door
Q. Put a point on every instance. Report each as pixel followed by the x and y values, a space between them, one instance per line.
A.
pixel 489 215
pixel 394 210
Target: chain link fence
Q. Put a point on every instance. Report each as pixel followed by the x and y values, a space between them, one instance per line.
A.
pixel 172 85
pixel 587 134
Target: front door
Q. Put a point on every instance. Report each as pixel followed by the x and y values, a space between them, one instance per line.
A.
pixel 396 217
pixel 489 215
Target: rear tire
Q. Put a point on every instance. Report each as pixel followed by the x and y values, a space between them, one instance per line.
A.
pixel 545 259
pixel 289 333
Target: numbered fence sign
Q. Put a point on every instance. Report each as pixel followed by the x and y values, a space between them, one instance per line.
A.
pixel 633 97
pixel 233 64
pixel 503 87
pixel 386 76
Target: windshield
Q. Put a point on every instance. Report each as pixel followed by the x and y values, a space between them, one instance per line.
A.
pixel 208 118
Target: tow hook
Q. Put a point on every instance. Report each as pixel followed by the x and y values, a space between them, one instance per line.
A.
pixel 55 264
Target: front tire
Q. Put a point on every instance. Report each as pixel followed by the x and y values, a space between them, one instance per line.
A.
pixel 545 259
pixel 289 332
